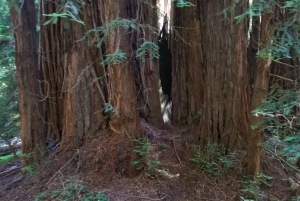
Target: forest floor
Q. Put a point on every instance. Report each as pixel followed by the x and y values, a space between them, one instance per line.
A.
pixel 176 178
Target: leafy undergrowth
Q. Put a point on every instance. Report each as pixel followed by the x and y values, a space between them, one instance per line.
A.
pixel 171 168
pixel 7 158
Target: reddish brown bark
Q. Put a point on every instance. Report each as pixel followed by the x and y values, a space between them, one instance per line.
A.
pixel 31 115
pixel 188 63
pixel 226 98
pixel 76 86
pixel 210 69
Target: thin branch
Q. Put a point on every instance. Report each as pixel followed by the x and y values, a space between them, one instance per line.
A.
pixel 282 160
pixel 146 197
pixel 283 63
pixel 63 167
pixel 280 77
pixel 276 115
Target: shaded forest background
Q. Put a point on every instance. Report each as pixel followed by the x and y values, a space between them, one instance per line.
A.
pixel 89 75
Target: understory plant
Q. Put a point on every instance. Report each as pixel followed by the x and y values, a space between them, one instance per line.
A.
pixel 251 188
pixel 280 120
pixel 214 160
pixel 72 190
pixel 148 157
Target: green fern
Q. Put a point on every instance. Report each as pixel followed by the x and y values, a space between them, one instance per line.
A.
pixel 183 3
pixel 68 10
pixel 115 58
pixel 148 48
pixel 103 31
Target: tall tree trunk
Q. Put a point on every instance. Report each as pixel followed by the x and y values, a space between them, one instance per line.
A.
pixel 77 89
pixel 32 126
pixel 255 139
pixel 225 117
pixel 210 69
pixel 188 71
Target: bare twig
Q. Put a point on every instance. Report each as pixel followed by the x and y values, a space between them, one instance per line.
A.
pixel 282 160
pixel 176 152
pixel 146 197
pixel 283 63
pixel 280 77
pixel 62 167
pixel 9 172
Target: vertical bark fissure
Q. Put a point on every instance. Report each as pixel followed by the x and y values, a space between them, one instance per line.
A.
pixel 226 106
pixel 77 95
pixel 187 63
pixel 32 131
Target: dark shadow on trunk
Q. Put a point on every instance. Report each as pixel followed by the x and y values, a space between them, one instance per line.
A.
pixel 165 71
pixel 165 61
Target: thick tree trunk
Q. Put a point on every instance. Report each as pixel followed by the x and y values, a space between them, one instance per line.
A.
pixel 32 127
pixel 225 117
pixel 146 73
pixel 210 69
pixel 255 139
pixel 76 86
pixel 188 71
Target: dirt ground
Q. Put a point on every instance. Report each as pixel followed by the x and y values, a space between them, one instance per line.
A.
pixel 176 178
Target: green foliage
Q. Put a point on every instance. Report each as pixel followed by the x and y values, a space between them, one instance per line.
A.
pixel 108 108
pixel 279 103
pixel 255 9
pixel 148 47
pixel 292 149
pixel 183 3
pixel 6 37
pixel 115 58
pixel 67 10
pixel 72 190
pixel 148 158
pixel 280 111
pixel 33 167
pixel 9 109
pixel 41 196
pixel 280 118
pixel 7 158
pixel 296 198
pixel 102 32
pixel 251 189
pixel 286 37
pixel 214 161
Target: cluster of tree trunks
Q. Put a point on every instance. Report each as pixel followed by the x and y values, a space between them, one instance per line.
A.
pixel 76 87
pixel 63 88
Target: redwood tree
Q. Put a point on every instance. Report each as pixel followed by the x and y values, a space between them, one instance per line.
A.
pixel 23 17
pixel 81 83
pixel 97 75
pixel 209 55
pixel 92 76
